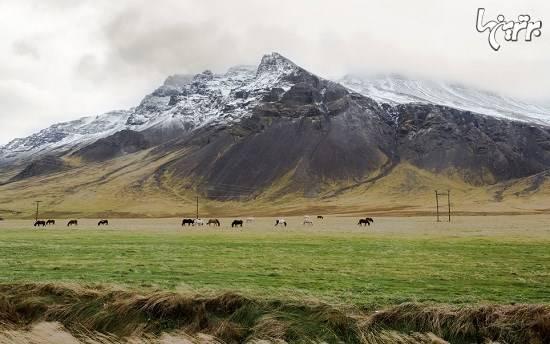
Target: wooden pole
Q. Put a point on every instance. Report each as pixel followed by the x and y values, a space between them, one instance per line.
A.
pixel 36 214
pixel 437 205
pixel 197 207
pixel 449 203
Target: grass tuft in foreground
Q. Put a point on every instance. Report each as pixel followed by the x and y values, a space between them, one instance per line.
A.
pixel 112 314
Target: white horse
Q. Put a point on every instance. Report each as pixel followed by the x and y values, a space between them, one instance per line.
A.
pixel 249 219
pixel 198 222
pixel 280 222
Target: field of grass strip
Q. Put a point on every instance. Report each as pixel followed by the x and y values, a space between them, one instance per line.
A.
pixel 360 270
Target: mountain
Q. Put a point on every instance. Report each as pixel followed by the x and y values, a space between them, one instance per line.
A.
pixel 395 89
pixel 276 138
pixel 181 103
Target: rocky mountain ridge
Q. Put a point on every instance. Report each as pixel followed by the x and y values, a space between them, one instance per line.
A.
pixel 282 130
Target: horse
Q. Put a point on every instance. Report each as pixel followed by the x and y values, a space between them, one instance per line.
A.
pixel 320 217
pixel 365 222
pixel 280 222
pixel 308 222
pixel 103 223
pixel 188 222
pixel 50 222
pixel 214 222
pixel 237 223
pixel 198 222
pixel 72 222
pixel 39 223
pixel 249 219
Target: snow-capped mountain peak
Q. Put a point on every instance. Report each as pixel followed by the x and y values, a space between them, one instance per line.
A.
pixel 182 102
pixel 396 89
pixel 275 64
pixel 187 102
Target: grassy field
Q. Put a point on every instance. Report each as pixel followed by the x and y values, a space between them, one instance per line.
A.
pixel 473 260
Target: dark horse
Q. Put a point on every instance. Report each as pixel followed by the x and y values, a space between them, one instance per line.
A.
pixel 319 217
pixel 103 223
pixel 40 223
pixel 188 222
pixel 366 221
pixel 237 223
pixel 214 222
pixel 50 222
pixel 72 222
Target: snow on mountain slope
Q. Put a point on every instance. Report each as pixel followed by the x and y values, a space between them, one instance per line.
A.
pixel 394 89
pixel 68 134
pixel 183 101
pixel 213 99
pixel 188 102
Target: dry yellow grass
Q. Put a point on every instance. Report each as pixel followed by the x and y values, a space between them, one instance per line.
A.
pixel 61 313
pixel 128 187
pixel 516 227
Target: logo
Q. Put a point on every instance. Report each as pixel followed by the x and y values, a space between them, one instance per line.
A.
pixel 512 29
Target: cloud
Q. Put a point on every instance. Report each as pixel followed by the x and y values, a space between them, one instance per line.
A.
pixel 25 48
pixel 22 107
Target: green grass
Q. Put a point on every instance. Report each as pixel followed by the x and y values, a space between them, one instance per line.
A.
pixel 350 268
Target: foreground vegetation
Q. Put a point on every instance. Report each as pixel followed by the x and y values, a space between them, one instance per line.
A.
pixel 334 282
pixel 104 315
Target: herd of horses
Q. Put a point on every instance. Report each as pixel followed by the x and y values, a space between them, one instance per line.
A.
pixel 215 222
pixel 43 223
pixel 278 222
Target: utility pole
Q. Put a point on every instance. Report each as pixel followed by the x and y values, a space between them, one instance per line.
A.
pixel 449 203
pixel 437 205
pixel 197 207
pixel 448 194
pixel 36 214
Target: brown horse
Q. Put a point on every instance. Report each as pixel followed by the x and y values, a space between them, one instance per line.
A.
pixel 365 222
pixel 72 223
pixel 50 222
pixel 103 223
pixel 214 222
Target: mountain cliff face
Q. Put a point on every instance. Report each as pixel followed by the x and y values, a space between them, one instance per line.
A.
pixel 315 132
pixel 121 143
pixel 482 149
pixel 395 89
pixel 282 129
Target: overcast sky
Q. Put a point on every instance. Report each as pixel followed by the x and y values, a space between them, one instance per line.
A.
pixel 64 59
